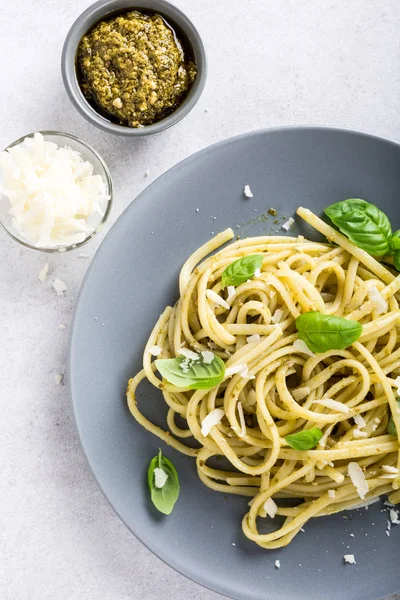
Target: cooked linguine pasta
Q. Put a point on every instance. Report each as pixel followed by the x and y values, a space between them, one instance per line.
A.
pixel 275 386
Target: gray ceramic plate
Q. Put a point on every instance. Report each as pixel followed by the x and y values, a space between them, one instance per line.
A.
pixel 132 278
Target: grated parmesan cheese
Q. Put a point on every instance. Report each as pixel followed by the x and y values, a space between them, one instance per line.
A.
pixel 188 354
pixel 302 347
pixel 389 469
pixel 349 558
pixel 247 191
pixel 277 316
pixel 208 357
pixel 43 272
pixel 359 434
pixel 231 292
pixel 270 507
pixel 278 564
pixel 160 477
pixel 212 419
pixel 58 378
pixel 289 223
pixel 214 297
pixel 333 404
pixel 55 198
pixel 377 300
pixel 155 350
pixel 359 421
pixel 253 338
pixel 234 370
pixel 357 478
pixel 59 286
pixel 61 326
pixel 331 493
pixel 257 273
pixel 394 517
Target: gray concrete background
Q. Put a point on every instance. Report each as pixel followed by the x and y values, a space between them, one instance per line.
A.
pixel 271 63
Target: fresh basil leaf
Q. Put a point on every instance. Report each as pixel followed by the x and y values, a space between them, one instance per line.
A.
pixel 396 260
pixel 391 428
pixel 164 497
pixel 189 374
pixel 395 241
pixel 241 270
pixel 363 223
pixel 326 332
pixel 304 440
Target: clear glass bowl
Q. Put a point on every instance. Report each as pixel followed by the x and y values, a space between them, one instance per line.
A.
pixel 99 168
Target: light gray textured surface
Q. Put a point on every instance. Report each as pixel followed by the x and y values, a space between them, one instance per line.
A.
pixel 331 62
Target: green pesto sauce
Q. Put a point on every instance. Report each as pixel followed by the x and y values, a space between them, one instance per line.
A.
pixel 134 69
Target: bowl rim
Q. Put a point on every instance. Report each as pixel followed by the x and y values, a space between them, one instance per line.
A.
pixel 108 182
pixel 96 12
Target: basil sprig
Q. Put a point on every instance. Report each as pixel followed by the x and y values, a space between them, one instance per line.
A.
pixel 164 497
pixel 192 374
pixel 391 428
pixel 326 332
pixel 363 223
pixel 304 440
pixel 241 270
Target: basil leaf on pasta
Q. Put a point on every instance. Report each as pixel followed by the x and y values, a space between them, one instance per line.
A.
pixel 304 440
pixel 241 270
pixel 327 332
pixel 363 223
pixel 391 428
pixel 395 241
pixel 192 374
pixel 163 481
pixel 396 260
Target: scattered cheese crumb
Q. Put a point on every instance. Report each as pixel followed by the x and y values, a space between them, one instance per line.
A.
pixel 349 558
pixel 394 517
pixel 389 469
pixel 247 191
pixel 359 421
pixel 231 291
pixel 331 493
pixel 302 347
pixel 359 434
pixel 217 299
pixel 352 535
pixel 334 404
pixel 278 564
pixel 212 419
pixel 397 384
pixel 242 432
pixel 257 273
pixel 146 173
pixel 188 354
pixel 59 378
pixel 208 357
pixel 253 338
pixel 244 372
pixel 270 507
pixel 277 316
pixel 289 223
pixel 234 369
pixel 43 272
pixel 160 477
pixel 59 286
pixel 61 326
pixel 377 300
pixel 155 350
pixel 358 479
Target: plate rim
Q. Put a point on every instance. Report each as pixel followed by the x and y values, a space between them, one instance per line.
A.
pixel 131 206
